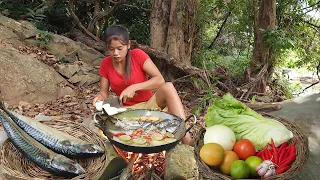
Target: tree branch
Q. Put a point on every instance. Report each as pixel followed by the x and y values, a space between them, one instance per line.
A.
pixel 77 21
pixel 102 14
pixel 311 24
pixel 220 29
pixel 136 7
pixel 308 87
pixel 311 6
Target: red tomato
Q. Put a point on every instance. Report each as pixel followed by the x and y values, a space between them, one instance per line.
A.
pixel 244 149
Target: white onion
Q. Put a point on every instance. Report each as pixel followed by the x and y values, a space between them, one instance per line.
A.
pixel 220 134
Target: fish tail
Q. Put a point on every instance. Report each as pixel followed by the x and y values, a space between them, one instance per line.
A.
pixel 99 121
pixel 2 105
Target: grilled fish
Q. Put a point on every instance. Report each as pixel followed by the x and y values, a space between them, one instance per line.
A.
pixel 126 125
pixel 37 153
pixel 55 140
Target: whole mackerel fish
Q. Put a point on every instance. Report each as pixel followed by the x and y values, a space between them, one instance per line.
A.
pixel 37 153
pixel 54 139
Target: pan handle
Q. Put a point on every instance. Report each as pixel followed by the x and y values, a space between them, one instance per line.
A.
pixel 194 121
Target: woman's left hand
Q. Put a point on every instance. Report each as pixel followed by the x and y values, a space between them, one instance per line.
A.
pixel 127 94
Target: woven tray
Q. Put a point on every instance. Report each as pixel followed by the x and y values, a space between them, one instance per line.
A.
pixel 302 153
pixel 15 164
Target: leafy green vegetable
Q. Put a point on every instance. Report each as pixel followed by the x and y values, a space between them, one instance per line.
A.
pixel 246 123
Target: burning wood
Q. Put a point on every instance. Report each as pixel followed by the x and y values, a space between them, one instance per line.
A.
pixel 143 166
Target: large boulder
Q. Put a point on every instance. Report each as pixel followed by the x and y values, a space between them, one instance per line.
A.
pixel 181 163
pixel 14 32
pixel 24 78
pixel 65 47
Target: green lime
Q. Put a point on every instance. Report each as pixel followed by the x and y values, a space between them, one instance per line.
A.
pixel 239 169
pixel 253 162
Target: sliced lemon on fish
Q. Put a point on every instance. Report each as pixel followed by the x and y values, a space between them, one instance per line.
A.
pixel 157 143
pixel 154 118
pixel 170 135
pixel 139 141
pixel 144 118
pixel 124 138
pixel 169 140
pixel 135 119
pixel 157 137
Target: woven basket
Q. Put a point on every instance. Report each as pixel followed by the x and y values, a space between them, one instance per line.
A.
pixel 302 153
pixel 15 164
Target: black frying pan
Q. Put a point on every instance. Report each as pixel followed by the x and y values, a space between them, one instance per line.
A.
pixel 107 126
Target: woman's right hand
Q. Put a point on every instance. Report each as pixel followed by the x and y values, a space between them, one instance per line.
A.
pixel 100 97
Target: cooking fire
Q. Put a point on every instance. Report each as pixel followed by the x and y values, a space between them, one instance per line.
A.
pixel 144 166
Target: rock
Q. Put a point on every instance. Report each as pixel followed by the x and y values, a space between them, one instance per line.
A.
pixel 181 163
pixel 24 78
pixel 23 29
pixel 67 70
pixel 66 47
pixel 89 55
pixel 63 91
pixel 83 80
pixel 9 37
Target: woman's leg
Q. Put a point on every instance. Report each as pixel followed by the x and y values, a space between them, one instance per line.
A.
pixel 167 96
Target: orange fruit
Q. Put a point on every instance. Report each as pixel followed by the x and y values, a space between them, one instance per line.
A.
pixel 228 158
pixel 239 169
pixel 212 154
pixel 253 162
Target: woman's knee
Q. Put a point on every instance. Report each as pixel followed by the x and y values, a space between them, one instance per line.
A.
pixel 168 86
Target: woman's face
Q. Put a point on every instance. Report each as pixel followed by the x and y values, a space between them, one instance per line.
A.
pixel 117 50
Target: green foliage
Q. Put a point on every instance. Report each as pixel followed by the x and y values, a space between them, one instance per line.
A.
pixel 281 82
pixel 207 98
pixel 136 20
pixel 4 11
pixel 276 39
pixel 232 48
pixel 58 19
pixel 17 8
pixel 235 64
pixel 43 39
pixel 63 59
pixel 35 16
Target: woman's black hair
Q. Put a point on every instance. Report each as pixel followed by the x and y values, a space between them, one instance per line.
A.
pixel 119 33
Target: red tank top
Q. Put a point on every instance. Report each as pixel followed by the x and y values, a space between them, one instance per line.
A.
pixel 117 80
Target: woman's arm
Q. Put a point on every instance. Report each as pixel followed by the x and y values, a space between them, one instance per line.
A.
pixel 156 79
pixel 104 90
pixel 154 82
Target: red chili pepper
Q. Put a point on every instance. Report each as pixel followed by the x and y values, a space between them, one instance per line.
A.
pixel 287 161
pixel 273 146
pixel 118 134
pixel 263 157
pixel 282 146
pixel 275 157
pixel 282 155
pixel 290 151
pixel 282 169
pixel 136 132
pixel 260 153
pixel 269 154
pixel 286 154
pixel 157 131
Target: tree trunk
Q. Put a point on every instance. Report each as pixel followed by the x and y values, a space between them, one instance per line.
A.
pixel 173 28
pixel 262 61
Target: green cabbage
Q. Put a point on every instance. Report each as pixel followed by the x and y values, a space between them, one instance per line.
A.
pixel 246 123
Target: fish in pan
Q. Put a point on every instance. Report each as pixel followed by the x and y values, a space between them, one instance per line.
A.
pixel 37 153
pixel 55 140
